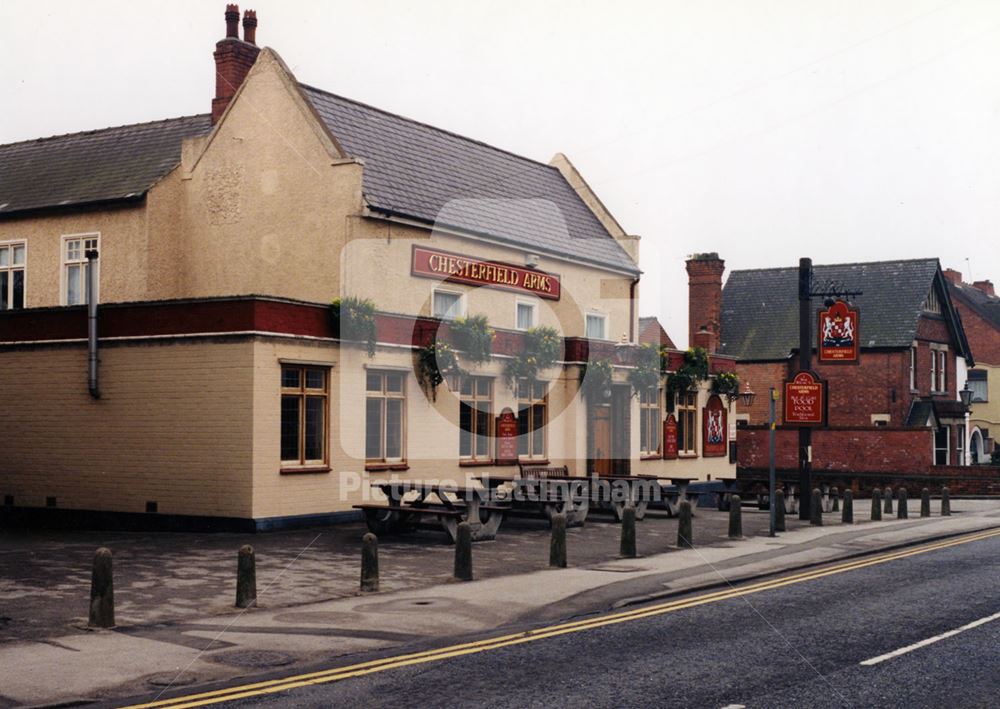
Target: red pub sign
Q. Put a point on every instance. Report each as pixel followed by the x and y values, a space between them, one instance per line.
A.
pixel 670 437
pixel 506 437
pixel 805 400
pixel 455 268
pixel 838 333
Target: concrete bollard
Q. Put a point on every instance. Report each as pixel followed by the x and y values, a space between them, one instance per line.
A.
pixel 816 508
pixel 369 563
pixel 888 500
pixel 877 505
pixel 902 512
pixel 246 578
pixel 627 546
pixel 102 591
pixel 685 533
pixel 847 516
pixel 557 544
pixel 925 503
pixel 835 496
pixel 945 502
pixel 779 511
pixel 736 518
pixel 463 552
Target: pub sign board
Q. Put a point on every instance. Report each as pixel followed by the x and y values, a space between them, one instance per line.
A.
pixel 805 400
pixel 670 438
pixel 714 428
pixel 457 268
pixel 838 333
pixel 506 437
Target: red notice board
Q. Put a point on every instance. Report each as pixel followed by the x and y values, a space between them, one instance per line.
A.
pixel 805 400
pixel 670 437
pixel 838 333
pixel 506 438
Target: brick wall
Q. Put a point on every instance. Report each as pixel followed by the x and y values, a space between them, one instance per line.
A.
pixel 984 338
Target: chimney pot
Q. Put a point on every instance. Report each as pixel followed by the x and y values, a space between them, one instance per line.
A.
pixel 250 26
pixel 232 20
pixel 953 276
pixel 985 286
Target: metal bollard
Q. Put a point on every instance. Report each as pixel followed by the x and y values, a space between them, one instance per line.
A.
pixel 945 502
pixel 557 544
pixel 736 518
pixel 369 563
pixel 925 503
pixel 102 591
pixel 685 538
pixel 246 578
pixel 847 516
pixel 835 496
pixel 816 509
pixel 888 500
pixel 902 512
pixel 779 511
pixel 877 505
pixel 463 552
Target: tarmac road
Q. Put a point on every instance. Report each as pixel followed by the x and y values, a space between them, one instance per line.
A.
pixel 796 641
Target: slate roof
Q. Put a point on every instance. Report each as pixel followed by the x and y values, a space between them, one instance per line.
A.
pixel 433 176
pixel 95 166
pixel 760 308
pixel 922 408
pixel 985 305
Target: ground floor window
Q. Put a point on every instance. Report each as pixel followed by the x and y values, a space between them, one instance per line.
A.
pixel 304 393
pixel 384 416
pixel 942 440
pixel 532 412
pixel 475 418
pixel 649 422
pixel 687 423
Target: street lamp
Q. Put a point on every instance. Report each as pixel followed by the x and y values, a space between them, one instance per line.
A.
pixel 772 480
pixel 748 396
pixel 966 395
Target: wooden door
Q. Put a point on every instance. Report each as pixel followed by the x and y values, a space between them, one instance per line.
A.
pixel 600 439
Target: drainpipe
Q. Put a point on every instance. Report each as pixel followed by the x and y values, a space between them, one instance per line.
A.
pixel 631 311
pixel 92 382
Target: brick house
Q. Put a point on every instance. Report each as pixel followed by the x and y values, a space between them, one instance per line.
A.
pixel 898 410
pixel 979 307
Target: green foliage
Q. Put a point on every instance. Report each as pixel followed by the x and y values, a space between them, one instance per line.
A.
pixel 687 376
pixel 542 349
pixel 354 319
pixel 434 363
pixel 648 359
pixel 726 384
pixel 474 337
pixel 595 379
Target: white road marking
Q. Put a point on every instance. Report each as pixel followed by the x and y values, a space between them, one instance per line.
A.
pixel 735 706
pixel 931 641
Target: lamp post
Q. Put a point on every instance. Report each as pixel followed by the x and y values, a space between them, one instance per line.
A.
pixel 747 396
pixel 966 396
pixel 772 481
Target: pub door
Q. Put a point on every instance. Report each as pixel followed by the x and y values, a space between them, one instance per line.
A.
pixel 600 439
pixel 621 430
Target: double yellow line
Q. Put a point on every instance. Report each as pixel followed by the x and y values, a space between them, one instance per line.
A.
pixel 418 658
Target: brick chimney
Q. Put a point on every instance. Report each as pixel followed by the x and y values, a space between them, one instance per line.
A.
pixel 985 286
pixel 705 300
pixel 233 58
pixel 953 276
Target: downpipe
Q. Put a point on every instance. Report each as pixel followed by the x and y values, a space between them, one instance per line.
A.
pixel 93 385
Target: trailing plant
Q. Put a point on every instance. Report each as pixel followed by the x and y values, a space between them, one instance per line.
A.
pixel 595 379
pixel 434 363
pixel 542 348
pixel 474 337
pixel 354 319
pixel 726 384
pixel 647 369
pixel 687 376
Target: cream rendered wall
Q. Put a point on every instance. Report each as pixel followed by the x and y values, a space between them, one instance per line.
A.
pixel 172 426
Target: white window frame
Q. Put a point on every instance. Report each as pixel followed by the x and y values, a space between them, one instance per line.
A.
pixel 533 304
pixel 10 268
pixel 599 315
pixel 932 304
pixel 913 367
pixel 65 263
pixel 939 369
pixel 449 291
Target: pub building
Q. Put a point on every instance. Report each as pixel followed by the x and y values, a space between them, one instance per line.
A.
pixel 223 390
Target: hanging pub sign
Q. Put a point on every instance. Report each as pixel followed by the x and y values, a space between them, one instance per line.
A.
pixel 506 437
pixel 838 333
pixel 670 437
pixel 456 268
pixel 805 400
pixel 714 428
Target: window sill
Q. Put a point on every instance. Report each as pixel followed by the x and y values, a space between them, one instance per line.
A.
pixel 305 470
pixel 651 457
pixel 383 467
pixel 474 463
pixel 687 455
pixel 533 461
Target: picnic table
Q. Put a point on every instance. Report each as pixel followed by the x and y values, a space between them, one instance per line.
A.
pixel 676 491
pixel 625 490
pixel 547 495
pixel 412 503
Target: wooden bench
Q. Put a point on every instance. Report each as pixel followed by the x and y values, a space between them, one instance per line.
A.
pixel 543 471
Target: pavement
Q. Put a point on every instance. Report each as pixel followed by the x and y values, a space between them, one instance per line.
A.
pixel 174 592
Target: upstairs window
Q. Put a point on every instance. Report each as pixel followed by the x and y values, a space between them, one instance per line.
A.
pixel 12 260
pixel 939 369
pixel 527 315
pixel 931 303
pixel 75 250
pixel 979 384
pixel 597 327
pixel 447 304
pixel 913 368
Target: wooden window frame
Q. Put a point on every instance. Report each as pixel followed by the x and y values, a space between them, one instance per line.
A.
pixel 533 455
pixel 685 409
pixel 304 393
pixel 654 427
pixel 384 462
pixel 472 400
pixel 11 268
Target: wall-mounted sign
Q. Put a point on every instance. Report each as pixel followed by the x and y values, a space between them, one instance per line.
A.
pixel 506 437
pixel 670 437
pixel 805 400
pixel 430 263
pixel 838 333
pixel 714 428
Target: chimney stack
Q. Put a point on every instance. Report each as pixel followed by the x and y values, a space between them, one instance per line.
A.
pixel 705 300
pixel 233 58
pixel 985 286
pixel 952 276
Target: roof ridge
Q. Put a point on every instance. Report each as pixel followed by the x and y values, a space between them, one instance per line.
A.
pixel 103 130
pixel 428 125
pixel 831 265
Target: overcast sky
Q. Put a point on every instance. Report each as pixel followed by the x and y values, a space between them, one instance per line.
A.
pixel 766 131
